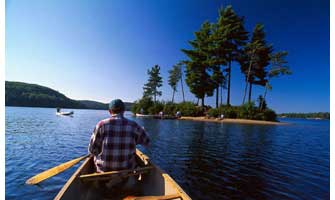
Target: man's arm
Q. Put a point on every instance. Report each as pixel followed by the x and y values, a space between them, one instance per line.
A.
pixel 141 136
pixel 95 144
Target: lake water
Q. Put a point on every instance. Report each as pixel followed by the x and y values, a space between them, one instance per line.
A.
pixel 208 160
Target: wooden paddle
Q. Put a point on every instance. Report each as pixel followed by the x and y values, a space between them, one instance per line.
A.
pixel 54 171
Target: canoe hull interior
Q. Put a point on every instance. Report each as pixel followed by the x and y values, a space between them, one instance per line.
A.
pixel 154 182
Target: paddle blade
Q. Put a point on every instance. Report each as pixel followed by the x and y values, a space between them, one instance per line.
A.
pixel 53 171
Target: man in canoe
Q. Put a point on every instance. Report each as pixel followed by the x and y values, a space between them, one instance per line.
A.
pixel 113 142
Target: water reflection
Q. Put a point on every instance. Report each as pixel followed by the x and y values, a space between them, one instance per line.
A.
pixel 209 160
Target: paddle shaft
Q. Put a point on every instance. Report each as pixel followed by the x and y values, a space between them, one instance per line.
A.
pixel 54 171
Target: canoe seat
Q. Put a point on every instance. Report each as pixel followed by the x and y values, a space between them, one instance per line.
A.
pixel 165 197
pixel 109 175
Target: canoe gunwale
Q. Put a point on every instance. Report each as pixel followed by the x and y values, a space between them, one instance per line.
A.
pixel 72 178
pixel 146 163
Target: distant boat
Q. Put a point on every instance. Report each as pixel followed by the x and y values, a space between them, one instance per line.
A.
pixel 314 118
pixel 141 115
pixel 65 113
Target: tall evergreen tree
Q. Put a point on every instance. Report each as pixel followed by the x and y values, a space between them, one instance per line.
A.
pixel 254 60
pixel 179 69
pixel 278 68
pixel 229 36
pixel 197 67
pixel 154 82
pixel 174 77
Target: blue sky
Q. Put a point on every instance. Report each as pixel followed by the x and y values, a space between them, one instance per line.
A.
pixel 100 50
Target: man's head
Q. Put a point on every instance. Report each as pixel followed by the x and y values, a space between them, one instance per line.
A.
pixel 116 106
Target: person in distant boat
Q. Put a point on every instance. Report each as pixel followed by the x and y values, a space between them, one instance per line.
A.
pixel 58 110
pixel 113 141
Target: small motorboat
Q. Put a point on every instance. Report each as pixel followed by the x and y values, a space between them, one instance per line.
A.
pixel 58 112
pixel 141 115
pixel 153 183
pixel 65 113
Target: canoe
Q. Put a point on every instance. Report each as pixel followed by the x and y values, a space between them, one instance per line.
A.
pixel 141 115
pixel 154 183
pixel 64 113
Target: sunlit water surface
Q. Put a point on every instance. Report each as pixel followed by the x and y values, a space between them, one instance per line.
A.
pixel 208 160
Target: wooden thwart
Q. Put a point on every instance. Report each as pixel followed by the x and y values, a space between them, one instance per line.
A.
pixel 108 175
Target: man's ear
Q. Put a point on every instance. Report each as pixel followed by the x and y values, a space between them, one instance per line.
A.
pixel 110 111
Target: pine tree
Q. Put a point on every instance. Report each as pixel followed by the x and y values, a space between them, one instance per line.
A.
pixel 229 36
pixel 278 68
pixel 174 77
pixel 154 82
pixel 254 59
pixel 197 67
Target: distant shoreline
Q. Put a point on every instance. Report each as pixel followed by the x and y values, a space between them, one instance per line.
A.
pixel 238 121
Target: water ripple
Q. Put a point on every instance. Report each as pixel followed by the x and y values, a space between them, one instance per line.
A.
pixel 209 160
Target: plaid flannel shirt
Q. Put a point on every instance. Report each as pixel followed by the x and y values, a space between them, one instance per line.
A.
pixel 113 143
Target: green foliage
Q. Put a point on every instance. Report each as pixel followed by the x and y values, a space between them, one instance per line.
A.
pixel 279 65
pixel 145 103
pixel 254 59
pixel 322 115
pixel 32 95
pixel 23 94
pixel 189 109
pixel 261 103
pixel 156 108
pixel 229 36
pixel 269 115
pixel 247 111
pixel 154 82
pixel 174 77
pixel 197 66
pixel 214 112
pixel 170 108
pixel 229 111
pixel 266 115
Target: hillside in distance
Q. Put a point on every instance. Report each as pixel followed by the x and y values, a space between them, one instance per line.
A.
pixel 33 95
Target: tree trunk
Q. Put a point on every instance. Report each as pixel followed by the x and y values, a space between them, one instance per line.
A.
pixel 250 88
pixel 203 102
pixel 247 81
pixel 217 96
pixel 266 89
pixel 221 94
pixel 245 92
pixel 229 74
pixel 173 95
pixel 197 101
pixel 182 87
